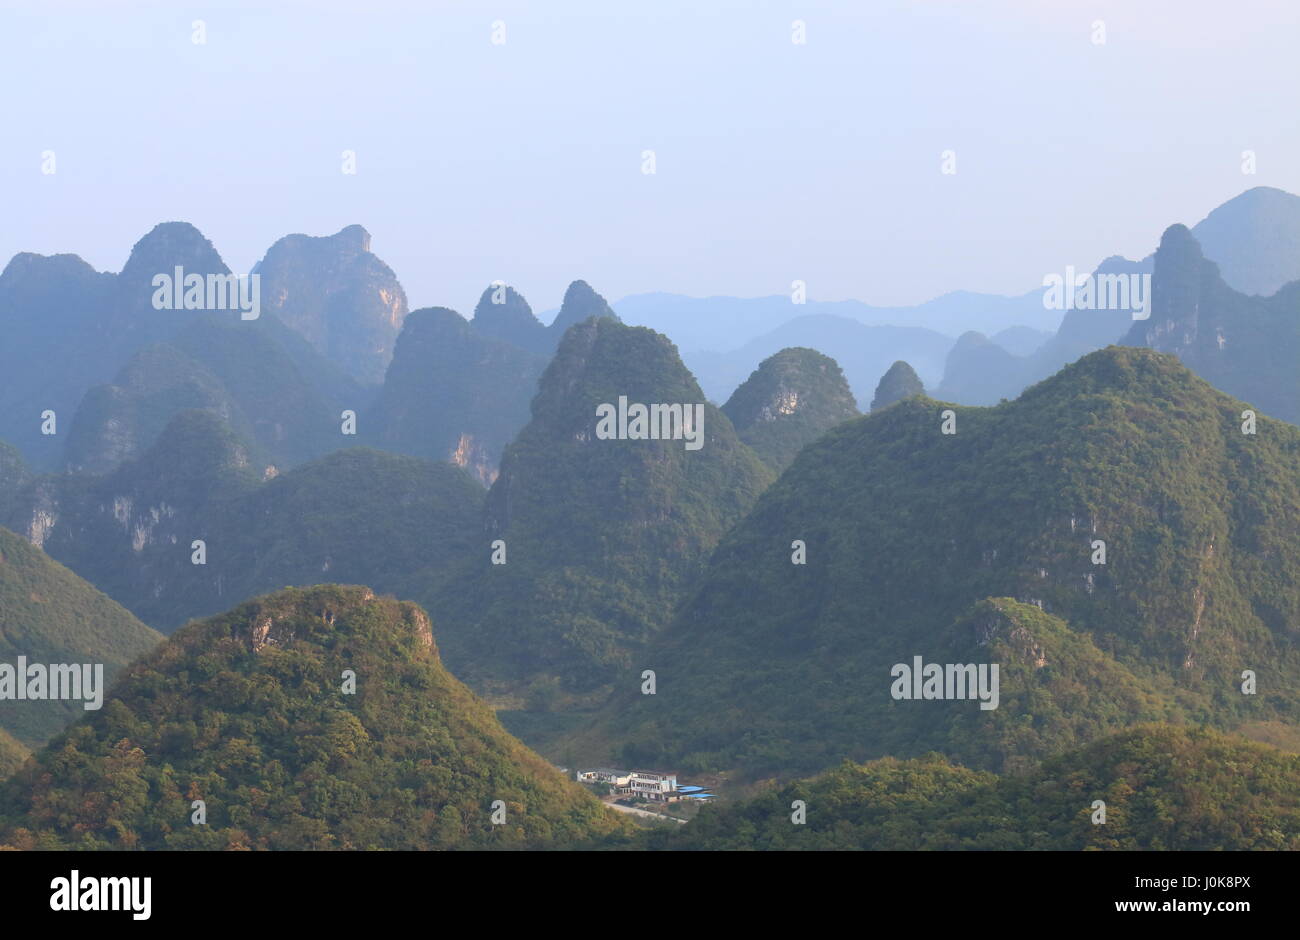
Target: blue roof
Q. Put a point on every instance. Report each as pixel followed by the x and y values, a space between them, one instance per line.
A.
pixel 691 789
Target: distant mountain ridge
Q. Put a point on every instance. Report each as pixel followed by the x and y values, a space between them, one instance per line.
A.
pixel 460 390
pixel 452 393
pixel 1246 345
pixel 862 352
pixel 910 534
pixel 722 324
pixel 70 329
pixel 1254 238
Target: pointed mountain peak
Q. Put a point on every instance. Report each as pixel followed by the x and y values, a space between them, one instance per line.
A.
pixel 167 245
pixel 790 399
pixel 1181 274
pixel 453 393
pixel 1122 450
pixel 581 303
pixel 498 300
pixel 899 382
pixel 609 499
pixel 503 313
pixel 600 357
pixel 1178 241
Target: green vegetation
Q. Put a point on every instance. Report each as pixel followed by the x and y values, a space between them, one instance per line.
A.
pixel 245 373
pixel 246 711
pixel 50 615
pixel 774 667
pixel 580 304
pixel 453 394
pixel 790 400
pixel 899 382
pixel 334 292
pixel 14 475
pixel 12 754
pixel 602 536
pixel 503 313
pixel 1247 346
pixel 1165 788
pixel 357 515
pixel 52 351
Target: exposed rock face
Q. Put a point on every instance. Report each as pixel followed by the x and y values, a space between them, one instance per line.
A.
pixel 453 394
pixel 333 291
pixel 1126 446
pixel 117 422
pixel 274 391
pixel 1246 346
pixel 37 519
pixel 790 400
pixel 69 329
pixel 1253 241
pixel 278 619
pixel 337 692
pixel 1181 276
pixel 355 515
pixel 474 457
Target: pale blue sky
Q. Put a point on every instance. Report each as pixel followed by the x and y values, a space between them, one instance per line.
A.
pixel 522 161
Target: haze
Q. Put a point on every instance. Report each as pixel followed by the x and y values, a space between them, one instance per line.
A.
pixel 523 160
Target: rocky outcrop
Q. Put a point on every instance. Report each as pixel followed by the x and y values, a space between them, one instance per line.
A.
pixel 1246 346
pixel 338 295
pixel 453 394
pixel 790 400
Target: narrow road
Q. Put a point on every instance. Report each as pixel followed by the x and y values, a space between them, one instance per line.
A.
pixel 642 812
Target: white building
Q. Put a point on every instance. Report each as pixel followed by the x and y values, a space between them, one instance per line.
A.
pixel 658 785
pixel 615 778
